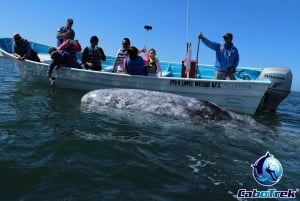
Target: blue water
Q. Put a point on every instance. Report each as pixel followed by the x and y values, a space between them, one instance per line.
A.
pixel 51 149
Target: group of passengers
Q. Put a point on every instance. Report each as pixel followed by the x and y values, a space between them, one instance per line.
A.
pixel 127 60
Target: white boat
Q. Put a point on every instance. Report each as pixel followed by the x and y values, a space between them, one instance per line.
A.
pixel 264 88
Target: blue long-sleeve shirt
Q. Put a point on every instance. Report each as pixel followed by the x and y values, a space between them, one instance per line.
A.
pixel 226 57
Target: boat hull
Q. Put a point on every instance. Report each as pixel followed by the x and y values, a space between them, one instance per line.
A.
pixel 241 96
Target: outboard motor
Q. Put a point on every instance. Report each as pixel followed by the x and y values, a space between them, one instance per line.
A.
pixel 280 87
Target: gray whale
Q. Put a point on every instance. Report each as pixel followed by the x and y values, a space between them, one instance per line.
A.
pixel 158 103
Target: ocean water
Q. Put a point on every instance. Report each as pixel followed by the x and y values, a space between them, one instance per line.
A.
pixel 53 149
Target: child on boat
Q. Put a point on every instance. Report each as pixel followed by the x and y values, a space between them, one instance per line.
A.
pixel 152 63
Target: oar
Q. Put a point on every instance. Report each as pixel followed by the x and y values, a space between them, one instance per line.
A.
pixel 197 56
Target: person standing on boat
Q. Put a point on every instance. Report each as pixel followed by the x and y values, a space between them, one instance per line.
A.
pixel 227 56
pixel 92 55
pixel 64 30
pixel 22 49
pixel 134 64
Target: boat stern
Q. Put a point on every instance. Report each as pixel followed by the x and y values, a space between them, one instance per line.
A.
pixel 280 87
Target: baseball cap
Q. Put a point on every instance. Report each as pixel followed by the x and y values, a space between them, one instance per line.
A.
pixel 228 36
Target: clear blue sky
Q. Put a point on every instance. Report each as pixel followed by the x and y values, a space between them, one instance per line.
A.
pixel 266 32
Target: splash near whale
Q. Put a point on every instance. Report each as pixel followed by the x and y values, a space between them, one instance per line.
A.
pixel 158 103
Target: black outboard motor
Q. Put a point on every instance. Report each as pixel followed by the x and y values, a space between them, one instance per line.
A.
pixel 280 87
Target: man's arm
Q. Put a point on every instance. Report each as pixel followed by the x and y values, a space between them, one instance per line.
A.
pixel 213 45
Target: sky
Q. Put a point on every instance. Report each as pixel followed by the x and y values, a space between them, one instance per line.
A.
pixel 266 32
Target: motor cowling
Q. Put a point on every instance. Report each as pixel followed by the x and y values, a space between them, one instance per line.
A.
pixel 280 87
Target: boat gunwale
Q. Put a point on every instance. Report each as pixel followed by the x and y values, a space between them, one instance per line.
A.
pixel 266 81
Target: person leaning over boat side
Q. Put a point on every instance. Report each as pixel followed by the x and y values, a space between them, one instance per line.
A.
pixel 62 31
pixel 70 46
pixel 152 63
pixel 134 64
pixel 59 59
pixel 121 55
pixel 227 56
pixel 92 55
pixel 22 49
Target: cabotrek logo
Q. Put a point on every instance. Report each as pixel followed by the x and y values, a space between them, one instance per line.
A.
pixel 267 171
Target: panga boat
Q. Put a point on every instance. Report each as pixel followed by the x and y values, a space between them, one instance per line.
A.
pixel 255 88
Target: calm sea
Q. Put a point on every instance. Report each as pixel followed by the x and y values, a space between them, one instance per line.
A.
pixel 50 149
